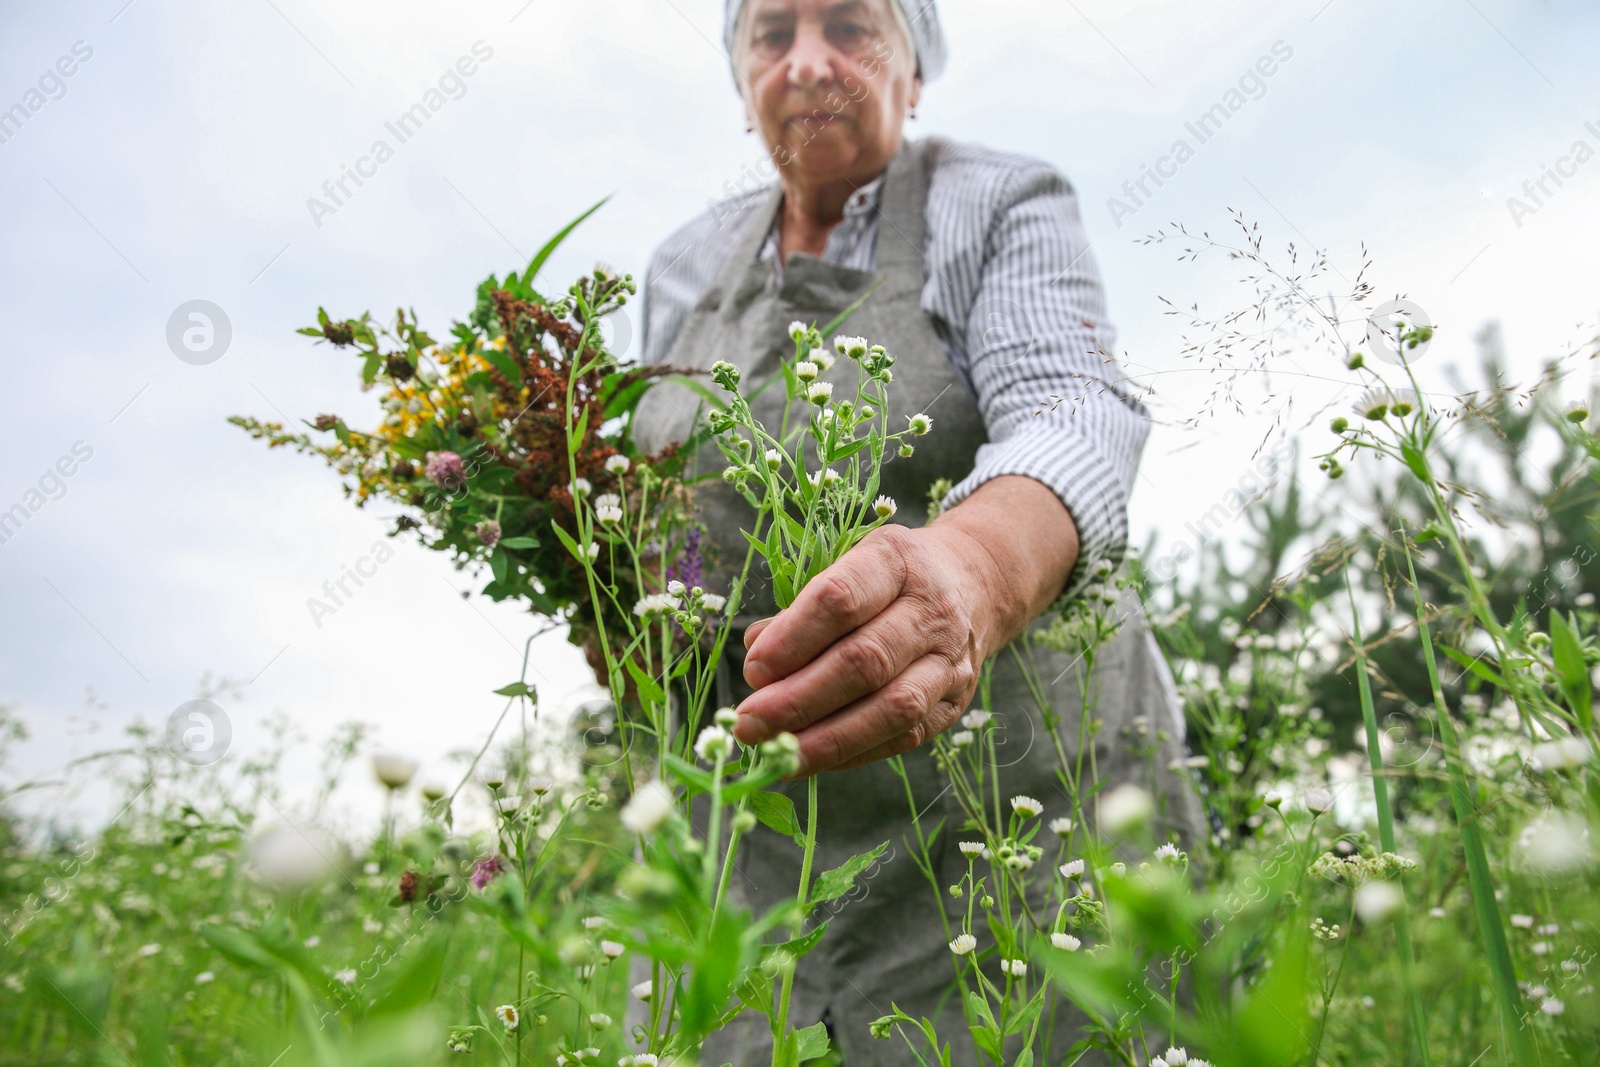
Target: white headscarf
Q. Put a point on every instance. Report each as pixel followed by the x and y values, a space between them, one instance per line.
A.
pixel 920 16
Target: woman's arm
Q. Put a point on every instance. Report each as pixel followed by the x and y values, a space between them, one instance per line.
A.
pixel 881 651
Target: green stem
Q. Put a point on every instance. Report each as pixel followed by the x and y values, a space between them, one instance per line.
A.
pixel 1380 791
pixel 1502 972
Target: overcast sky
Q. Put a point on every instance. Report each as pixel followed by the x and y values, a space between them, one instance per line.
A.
pixel 176 161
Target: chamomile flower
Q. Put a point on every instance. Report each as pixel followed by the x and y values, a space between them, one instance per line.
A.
pixel 1552 1006
pixel 963 944
pixel 1169 851
pixel 976 720
pixel 1026 806
pixel 972 848
pixel 1072 869
pixel 713 602
pixel 508 1016
pixel 648 808
pixel 712 743
pixel 920 424
pixel 612 949
pixel 608 514
pixel 884 507
pixel 850 347
pixel 1066 942
pixel 819 392
pixel 1578 411
pixel 1373 404
pixel 655 604
pixel 806 370
pixel 643 991
pixel 774 459
pixel 599 1020
pixel 962 738
pixel 618 464
pixel 1061 827
pixel 1015 968
pixel 580 486
pixel 797 330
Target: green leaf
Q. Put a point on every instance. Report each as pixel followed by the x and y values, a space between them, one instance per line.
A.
pixel 566 539
pixel 692 778
pixel 555 242
pixel 800 946
pixel 497 565
pixel 417 980
pixel 812 1042
pixel 238 946
pixel 650 690
pixel 1417 462
pixel 579 432
pixel 517 689
pixel 1476 665
pixel 776 812
pixel 713 974
pixel 519 542
pixel 502 362
pixel 1567 652
pixel 830 885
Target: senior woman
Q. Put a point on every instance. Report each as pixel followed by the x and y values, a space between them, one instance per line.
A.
pixel 991 302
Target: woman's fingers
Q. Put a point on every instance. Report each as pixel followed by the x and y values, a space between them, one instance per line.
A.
pixel 849 593
pixel 854 666
pixel 908 711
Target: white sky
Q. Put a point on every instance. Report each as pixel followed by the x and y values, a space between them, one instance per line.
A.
pixel 178 163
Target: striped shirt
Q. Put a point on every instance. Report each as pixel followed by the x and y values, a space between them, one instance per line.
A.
pixel 1015 296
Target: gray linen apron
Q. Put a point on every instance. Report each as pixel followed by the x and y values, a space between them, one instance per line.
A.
pixel 886 943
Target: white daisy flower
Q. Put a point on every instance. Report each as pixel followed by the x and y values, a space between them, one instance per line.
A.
pixel 963 944
pixel 972 848
pixel 612 949
pixel 608 515
pixel 618 464
pixel 1125 808
pixel 1176 1057
pixel 920 424
pixel 644 990
pixel 1578 411
pixel 1066 942
pixel 599 1020
pixel 819 392
pixel 507 1014
pixel 655 604
pixel 393 771
pixel 593 922
pixel 1318 800
pixel 962 738
pixel 1168 851
pixel 884 507
pixel 797 330
pixel 149 950
pixel 1552 1006
pixel 806 370
pixel 713 741
pixel 976 720
pixel 713 603
pixel 774 459
pixel 203 977
pixel 1015 968
pixel 1026 806
pixel 346 976
pixel 509 805
pixel 580 486
pixel 1373 404
pixel 647 809
pixel 1061 827
pixel 593 551
pixel 1072 869
pixel 1019 861
pixel 850 347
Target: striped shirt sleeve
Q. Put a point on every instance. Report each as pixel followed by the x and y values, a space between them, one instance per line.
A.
pixel 1036 351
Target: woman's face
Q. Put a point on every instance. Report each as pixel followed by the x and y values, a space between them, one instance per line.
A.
pixel 827 83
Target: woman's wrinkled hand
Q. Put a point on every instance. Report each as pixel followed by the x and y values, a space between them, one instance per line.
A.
pixel 879 653
pixel 882 651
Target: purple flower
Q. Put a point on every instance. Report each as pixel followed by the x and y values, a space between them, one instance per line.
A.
pixel 445 469
pixel 485 871
pixel 488 532
pixel 689 567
